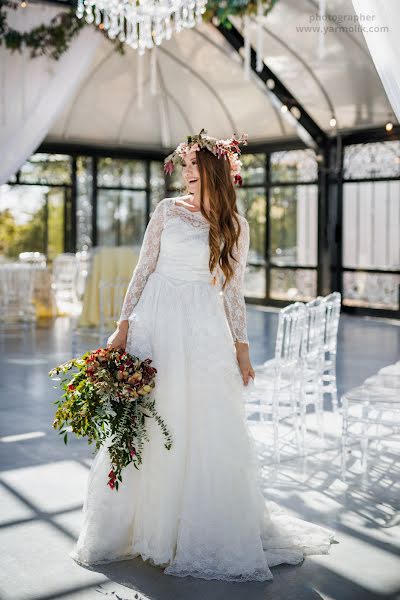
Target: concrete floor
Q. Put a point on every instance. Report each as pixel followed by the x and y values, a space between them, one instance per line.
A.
pixel 42 483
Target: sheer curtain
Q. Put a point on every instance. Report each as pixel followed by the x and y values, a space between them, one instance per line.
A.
pixel 34 91
pixel 383 45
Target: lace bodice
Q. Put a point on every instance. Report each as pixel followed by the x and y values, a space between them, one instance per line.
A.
pixel 152 246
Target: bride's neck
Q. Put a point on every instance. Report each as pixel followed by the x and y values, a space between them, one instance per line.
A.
pixel 196 200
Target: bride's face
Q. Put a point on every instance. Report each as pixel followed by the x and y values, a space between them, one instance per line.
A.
pixel 190 172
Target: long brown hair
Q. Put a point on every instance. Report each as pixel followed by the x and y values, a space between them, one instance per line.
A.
pixel 215 178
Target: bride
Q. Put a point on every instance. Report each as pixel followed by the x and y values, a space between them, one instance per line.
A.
pixel 196 509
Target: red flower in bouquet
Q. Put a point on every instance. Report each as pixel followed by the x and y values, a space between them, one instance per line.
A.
pixel 112 479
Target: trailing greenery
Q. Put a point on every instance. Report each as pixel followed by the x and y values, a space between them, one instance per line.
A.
pixel 54 39
pixel 107 400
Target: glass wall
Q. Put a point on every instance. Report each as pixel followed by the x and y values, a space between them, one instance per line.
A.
pixel 294 224
pixel 34 206
pixel 252 204
pixel 121 202
pixel 62 202
pixel 371 225
pixel 279 199
pixel 121 217
pixel 157 184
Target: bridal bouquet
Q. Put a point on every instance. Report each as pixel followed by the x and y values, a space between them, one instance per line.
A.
pixel 107 401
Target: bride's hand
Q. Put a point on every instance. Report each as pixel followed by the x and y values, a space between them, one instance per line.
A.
pixel 118 338
pixel 243 358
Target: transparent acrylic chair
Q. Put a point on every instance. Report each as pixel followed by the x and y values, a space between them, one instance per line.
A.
pixel 65 275
pixel 332 304
pixel 277 387
pixel 313 360
pixel 371 412
pixel 16 293
pixel 111 296
pixel 17 311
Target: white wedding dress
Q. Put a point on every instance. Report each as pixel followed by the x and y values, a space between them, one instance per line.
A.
pixel 196 509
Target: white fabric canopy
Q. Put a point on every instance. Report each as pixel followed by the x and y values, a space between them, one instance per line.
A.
pixel 91 95
pixel 384 45
pixel 34 92
pixel 200 83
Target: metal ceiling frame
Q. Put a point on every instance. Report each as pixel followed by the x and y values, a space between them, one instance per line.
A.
pixel 306 66
pixel 236 40
pixel 228 53
pixel 370 134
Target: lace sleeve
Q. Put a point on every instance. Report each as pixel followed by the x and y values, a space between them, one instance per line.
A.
pixel 147 260
pixel 235 307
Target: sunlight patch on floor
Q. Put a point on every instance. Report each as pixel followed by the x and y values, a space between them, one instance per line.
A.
pixel 20 437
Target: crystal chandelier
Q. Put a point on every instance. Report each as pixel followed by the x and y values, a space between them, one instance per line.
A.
pixel 142 23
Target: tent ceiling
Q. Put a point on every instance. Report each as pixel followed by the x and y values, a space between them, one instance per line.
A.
pixel 201 84
pixel 343 78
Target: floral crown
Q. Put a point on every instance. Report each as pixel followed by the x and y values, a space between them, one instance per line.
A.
pixel 229 149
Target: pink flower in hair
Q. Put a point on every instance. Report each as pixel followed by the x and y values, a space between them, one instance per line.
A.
pixel 235 163
pixel 221 151
pixel 169 167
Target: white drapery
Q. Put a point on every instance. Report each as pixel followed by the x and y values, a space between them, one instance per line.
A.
pixel 33 92
pixel 383 45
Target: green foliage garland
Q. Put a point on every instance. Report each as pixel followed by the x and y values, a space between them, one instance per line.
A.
pixel 53 40
pixel 50 40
